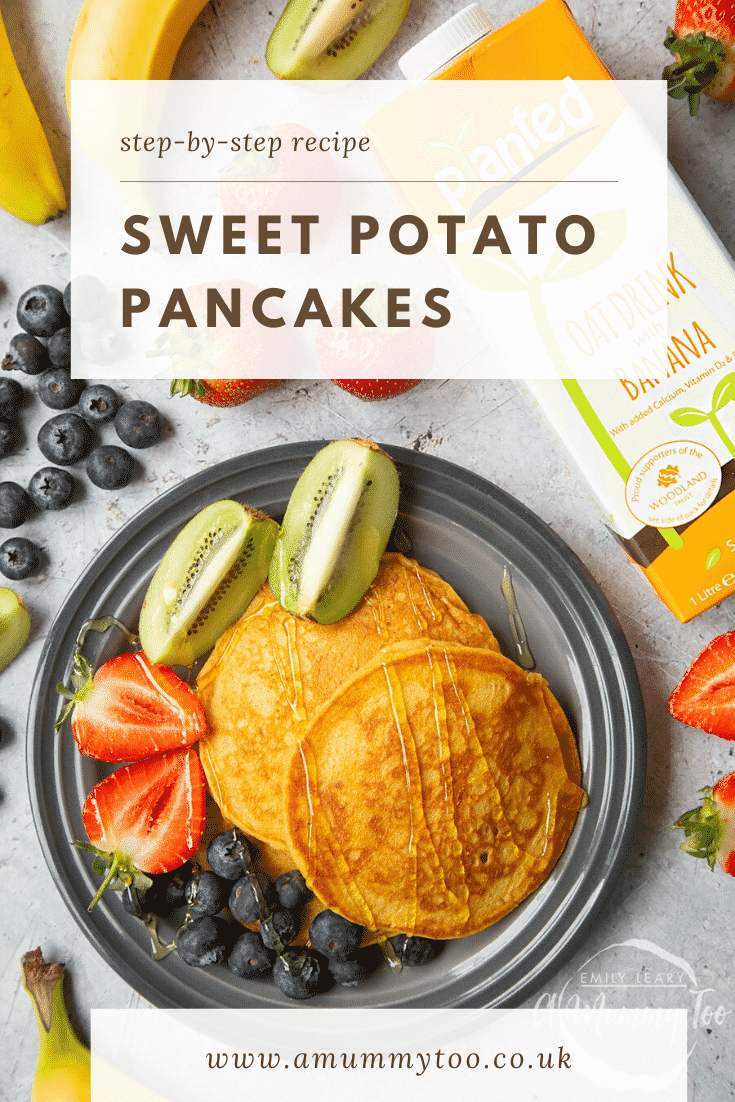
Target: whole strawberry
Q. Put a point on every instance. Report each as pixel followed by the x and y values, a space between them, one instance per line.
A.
pixel 373 390
pixel 705 696
pixel 703 43
pixel 222 392
pixel 710 829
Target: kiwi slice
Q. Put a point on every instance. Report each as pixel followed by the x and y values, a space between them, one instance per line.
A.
pixel 337 526
pixel 205 581
pixel 332 39
pixel 15 623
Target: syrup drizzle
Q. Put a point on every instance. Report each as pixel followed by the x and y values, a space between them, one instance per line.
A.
pixel 524 657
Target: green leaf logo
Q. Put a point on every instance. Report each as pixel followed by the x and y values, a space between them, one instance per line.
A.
pixel 713 558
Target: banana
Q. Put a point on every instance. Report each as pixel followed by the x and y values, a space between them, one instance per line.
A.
pixel 128 39
pixel 30 187
pixel 62 1072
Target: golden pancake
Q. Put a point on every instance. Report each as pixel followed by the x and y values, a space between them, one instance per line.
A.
pixel 432 792
pixel 271 672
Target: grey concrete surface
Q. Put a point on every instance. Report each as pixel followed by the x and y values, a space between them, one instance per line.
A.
pixel 666 911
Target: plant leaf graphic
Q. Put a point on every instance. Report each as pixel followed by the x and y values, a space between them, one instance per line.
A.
pixel 610 229
pixel 724 392
pixel 688 415
pixel 438 147
pixel 489 275
pixel 466 128
pixel 712 558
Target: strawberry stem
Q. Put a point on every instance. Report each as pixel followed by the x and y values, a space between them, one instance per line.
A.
pixel 699 59
pixel 111 873
pixel 704 830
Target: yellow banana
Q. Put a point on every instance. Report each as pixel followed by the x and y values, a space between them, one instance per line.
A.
pixel 62 1072
pixel 128 39
pixel 30 187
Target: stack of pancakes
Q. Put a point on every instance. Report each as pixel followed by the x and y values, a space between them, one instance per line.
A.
pixel 422 782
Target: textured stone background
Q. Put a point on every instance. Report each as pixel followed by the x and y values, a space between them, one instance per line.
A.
pixel 663 898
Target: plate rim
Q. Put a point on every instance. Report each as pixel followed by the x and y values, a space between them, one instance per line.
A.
pixel 541 536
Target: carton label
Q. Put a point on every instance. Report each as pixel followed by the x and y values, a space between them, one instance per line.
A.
pixel 673 484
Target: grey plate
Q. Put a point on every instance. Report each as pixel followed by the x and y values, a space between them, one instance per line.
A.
pixel 466 529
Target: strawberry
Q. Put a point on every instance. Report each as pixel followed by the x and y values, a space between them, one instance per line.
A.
pixel 294 181
pixel 130 709
pixel 705 696
pixel 372 390
pixel 710 829
pixel 703 42
pixel 219 354
pixel 378 351
pixel 222 392
pixel 145 818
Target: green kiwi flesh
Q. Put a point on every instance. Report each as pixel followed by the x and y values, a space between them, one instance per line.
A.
pixel 337 526
pixel 332 39
pixel 15 623
pixel 205 581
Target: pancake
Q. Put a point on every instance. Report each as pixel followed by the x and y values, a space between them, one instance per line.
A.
pixel 270 673
pixel 432 793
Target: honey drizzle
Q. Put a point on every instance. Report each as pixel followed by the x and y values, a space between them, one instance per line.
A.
pixel 292 685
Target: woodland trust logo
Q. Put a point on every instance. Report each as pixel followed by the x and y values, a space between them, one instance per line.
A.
pixel 638 974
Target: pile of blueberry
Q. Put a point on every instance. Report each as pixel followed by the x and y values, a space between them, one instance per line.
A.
pixel 70 437
pixel 209 936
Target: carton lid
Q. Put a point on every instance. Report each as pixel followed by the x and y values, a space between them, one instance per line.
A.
pixel 446 42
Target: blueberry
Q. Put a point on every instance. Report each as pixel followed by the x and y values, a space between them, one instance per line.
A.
pixel 174 895
pixel 110 467
pixel 203 941
pixel 58 390
pixel 41 310
pixel 11 397
pixel 291 889
pixel 354 970
pixel 89 297
pixel 19 558
pixel 249 957
pixel 15 505
pixel 296 974
pixel 65 439
pixel 334 935
pixel 59 347
pixel 139 424
pixel 27 355
pixel 228 854
pixel 51 488
pixel 244 903
pixel 205 894
pixel 98 404
pixel 279 926
pixel 101 343
pixel 8 437
pixel 412 951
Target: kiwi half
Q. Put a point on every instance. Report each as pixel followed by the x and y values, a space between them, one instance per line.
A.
pixel 337 526
pixel 205 581
pixel 15 623
pixel 332 39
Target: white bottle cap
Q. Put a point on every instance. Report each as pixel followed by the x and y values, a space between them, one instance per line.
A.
pixel 446 42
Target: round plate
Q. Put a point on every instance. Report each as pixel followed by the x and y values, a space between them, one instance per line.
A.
pixel 467 530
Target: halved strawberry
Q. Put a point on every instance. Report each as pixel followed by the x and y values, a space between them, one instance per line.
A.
pixel 710 829
pixel 130 709
pixel 705 696
pixel 145 818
